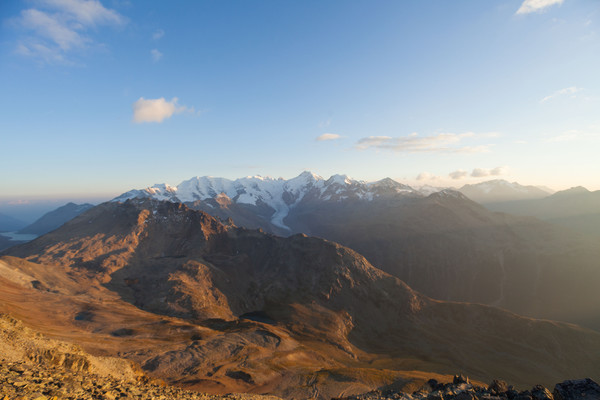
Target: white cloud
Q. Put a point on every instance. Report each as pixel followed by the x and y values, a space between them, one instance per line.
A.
pixel 458 174
pixel 156 55
pixel 86 12
pixel 484 148
pixel 61 26
pixel 156 110
pixel 43 53
pixel 413 143
pixel 562 92
pixel 427 176
pixel 158 34
pixel 499 171
pixel 50 27
pixel 530 6
pixel 481 172
pixel 328 136
pixel 591 133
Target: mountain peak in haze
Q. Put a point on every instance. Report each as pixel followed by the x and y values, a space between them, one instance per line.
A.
pixel 53 219
pixel 497 190
pixel 574 191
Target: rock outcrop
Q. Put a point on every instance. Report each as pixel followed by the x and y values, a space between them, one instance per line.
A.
pixel 462 389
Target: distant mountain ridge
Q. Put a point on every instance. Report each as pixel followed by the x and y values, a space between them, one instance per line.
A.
pixel 9 224
pixel 576 208
pixel 501 190
pixel 278 194
pixel 54 219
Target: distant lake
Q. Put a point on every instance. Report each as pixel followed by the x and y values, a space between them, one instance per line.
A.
pixel 21 237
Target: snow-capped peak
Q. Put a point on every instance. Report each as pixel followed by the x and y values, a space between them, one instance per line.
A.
pixel 279 194
pixel 340 180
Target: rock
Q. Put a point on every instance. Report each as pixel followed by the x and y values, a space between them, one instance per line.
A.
pixel 577 389
pixel 498 386
pixel 458 379
pixel 17 368
pixel 526 395
pixel 465 396
pixel 435 396
pixel 541 393
pixel 433 384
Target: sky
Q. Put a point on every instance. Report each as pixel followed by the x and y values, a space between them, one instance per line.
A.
pixel 100 97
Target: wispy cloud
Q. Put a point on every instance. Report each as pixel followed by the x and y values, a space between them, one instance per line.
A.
pixel 562 92
pixel 478 173
pixel 482 172
pixel 156 110
pixel 530 6
pixel 58 27
pixel 427 176
pixel 459 174
pixel 413 143
pixel 156 55
pixel 158 34
pixel 327 136
pixel 325 123
pixel 592 133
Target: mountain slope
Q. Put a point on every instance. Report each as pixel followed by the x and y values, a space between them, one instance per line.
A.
pixel 53 219
pixel 451 248
pixel 271 314
pixel 9 224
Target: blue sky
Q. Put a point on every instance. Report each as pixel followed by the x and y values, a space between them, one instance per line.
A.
pixel 99 97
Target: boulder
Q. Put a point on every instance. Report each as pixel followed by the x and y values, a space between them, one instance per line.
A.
pixel 541 393
pixel 577 389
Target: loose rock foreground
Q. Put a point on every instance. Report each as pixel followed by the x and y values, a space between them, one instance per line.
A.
pixel 25 381
pixel 462 389
pixel 28 381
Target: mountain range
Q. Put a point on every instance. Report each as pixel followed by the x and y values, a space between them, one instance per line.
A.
pixel 213 307
pixel 441 244
pixel 577 209
pixel 498 190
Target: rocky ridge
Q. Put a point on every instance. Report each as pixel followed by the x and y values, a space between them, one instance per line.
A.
pixel 462 389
